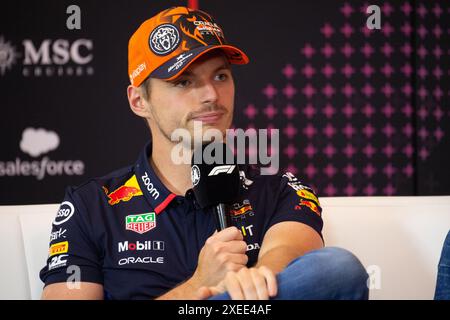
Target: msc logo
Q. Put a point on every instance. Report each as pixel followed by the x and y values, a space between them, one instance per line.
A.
pixel 8 55
pixel 49 57
pixel 58 52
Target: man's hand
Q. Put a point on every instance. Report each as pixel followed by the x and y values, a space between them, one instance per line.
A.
pixel 246 284
pixel 223 252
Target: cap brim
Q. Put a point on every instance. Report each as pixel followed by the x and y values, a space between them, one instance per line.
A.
pixel 175 66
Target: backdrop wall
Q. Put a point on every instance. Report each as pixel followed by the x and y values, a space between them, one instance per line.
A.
pixel 360 111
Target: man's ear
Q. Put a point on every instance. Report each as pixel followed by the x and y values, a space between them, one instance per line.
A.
pixel 137 103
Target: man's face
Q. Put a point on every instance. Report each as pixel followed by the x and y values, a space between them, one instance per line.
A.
pixel 204 92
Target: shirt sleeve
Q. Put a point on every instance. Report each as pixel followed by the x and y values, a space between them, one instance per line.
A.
pixel 72 255
pixel 297 202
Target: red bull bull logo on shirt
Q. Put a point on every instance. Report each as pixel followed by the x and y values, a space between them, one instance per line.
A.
pixel 124 193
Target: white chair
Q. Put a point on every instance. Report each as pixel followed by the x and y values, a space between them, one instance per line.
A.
pixel 24 239
pixel 36 229
pixel 398 239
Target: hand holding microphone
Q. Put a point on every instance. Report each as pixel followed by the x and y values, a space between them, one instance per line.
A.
pixel 223 252
pixel 216 185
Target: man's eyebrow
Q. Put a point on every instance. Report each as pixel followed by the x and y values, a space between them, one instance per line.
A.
pixel 222 66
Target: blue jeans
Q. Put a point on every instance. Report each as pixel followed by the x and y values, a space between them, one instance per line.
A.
pixel 324 274
pixel 443 278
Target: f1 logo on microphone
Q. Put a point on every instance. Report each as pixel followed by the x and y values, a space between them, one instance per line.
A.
pixel 222 169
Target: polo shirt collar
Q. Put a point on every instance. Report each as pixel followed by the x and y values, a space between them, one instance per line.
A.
pixel 153 189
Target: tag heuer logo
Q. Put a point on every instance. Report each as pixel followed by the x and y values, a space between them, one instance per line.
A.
pixel 140 223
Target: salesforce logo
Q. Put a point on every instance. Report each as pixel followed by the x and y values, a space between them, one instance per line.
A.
pixel 37 142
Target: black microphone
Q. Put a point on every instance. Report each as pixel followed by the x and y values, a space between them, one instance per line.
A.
pixel 215 177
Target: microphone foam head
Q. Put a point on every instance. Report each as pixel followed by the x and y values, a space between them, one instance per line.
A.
pixel 214 174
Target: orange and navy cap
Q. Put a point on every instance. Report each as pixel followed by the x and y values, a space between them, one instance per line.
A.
pixel 166 44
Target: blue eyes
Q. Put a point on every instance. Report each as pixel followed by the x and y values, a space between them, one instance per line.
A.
pixel 222 76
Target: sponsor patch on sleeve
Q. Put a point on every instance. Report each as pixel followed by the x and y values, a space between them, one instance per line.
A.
pixel 58 248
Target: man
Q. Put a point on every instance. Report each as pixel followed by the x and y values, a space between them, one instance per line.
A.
pixel 139 232
pixel 442 291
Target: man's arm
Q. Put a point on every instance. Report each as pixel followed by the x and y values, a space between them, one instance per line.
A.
pixel 282 243
pixel 286 241
pixel 61 291
pixel 186 291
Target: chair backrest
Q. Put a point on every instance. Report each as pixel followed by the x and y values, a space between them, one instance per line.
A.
pixel 36 229
pixel 24 238
pixel 398 239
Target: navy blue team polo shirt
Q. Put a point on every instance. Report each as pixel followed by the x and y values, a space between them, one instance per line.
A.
pixel 128 232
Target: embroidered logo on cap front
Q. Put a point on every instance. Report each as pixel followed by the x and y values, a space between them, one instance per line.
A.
pixel 181 59
pixel 164 39
pixel 140 223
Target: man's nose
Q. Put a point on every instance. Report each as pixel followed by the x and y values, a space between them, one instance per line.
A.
pixel 208 93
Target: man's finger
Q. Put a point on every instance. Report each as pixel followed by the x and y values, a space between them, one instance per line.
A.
pixel 216 290
pixel 228 234
pixel 271 280
pixel 233 287
pixel 237 258
pixel 204 293
pixel 260 284
pixel 247 285
pixel 236 246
